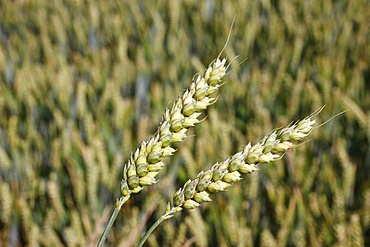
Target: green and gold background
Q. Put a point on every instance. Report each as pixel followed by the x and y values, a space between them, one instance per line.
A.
pixel 82 83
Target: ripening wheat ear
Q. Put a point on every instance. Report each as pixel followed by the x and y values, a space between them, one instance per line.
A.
pixel 146 162
pixel 223 175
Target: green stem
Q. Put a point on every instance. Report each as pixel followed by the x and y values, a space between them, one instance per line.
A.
pixel 112 219
pixel 159 221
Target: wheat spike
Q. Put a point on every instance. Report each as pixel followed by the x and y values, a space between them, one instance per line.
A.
pixel 146 162
pixel 223 175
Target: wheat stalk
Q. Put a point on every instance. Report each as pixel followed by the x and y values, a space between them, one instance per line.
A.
pixel 223 175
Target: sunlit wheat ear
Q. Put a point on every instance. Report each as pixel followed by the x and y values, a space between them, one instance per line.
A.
pixel 146 162
pixel 223 175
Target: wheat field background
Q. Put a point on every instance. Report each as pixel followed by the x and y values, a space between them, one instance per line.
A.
pixel 82 83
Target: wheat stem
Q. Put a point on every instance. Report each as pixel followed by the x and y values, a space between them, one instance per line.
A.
pixel 112 219
pixel 108 227
pixel 164 217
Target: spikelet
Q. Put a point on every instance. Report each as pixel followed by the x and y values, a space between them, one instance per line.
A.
pixel 147 161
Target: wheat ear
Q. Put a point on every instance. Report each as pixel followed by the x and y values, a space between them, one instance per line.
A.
pixel 146 162
pixel 223 175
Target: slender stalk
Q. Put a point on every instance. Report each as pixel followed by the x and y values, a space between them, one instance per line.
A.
pixel 108 227
pixel 112 219
pixel 164 217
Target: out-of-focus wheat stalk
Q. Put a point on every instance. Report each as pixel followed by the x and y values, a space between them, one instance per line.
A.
pixel 223 175
pixel 146 162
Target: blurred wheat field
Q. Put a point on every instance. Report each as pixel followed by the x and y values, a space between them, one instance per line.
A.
pixel 82 83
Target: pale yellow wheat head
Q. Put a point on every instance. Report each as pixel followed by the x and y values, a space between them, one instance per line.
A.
pixel 146 162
